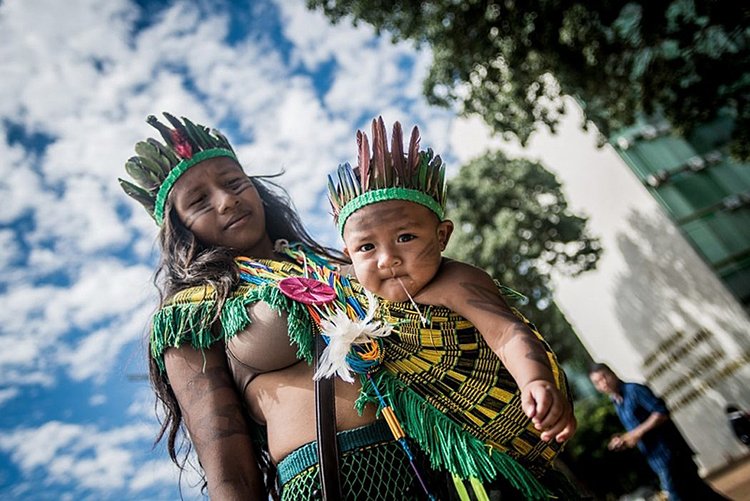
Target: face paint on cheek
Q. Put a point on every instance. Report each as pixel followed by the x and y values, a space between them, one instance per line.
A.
pixel 428 250
pixel 190 221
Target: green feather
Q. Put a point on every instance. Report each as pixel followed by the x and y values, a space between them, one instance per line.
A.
pixel 335 202
pixel 139 195
pixel 195 136
pixel 145 169
pixel 356 188
pixel 422 171
pixel 141 176
pixel 151 166
pixel 222 139
pixel 165 152
pixel 166 132
pixel 149 151
pixel 346 193
pixel 442 187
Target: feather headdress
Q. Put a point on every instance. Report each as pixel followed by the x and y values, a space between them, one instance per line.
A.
pixel 416 176
pixel 157 166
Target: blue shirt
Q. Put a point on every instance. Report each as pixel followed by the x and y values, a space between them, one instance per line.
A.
pixel 662 443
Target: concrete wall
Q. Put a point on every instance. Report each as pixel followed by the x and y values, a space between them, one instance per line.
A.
pixel 653 310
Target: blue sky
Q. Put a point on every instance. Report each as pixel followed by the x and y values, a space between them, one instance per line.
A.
pixel 78 79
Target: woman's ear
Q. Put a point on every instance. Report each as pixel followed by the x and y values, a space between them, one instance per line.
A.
pixel 444 232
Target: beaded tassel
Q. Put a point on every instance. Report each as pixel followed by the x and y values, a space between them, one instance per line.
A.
pixel 398 434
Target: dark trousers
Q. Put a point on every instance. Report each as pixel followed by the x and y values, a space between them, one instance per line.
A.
pixel 681 480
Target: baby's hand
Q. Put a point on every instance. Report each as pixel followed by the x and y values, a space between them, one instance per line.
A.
pixel 549 410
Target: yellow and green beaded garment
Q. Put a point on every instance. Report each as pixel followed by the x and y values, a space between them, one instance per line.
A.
pixel 451 367
pixel 451 393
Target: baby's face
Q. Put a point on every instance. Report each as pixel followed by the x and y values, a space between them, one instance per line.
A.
pixel 395 245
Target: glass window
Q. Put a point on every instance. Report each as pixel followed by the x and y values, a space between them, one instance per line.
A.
pixel 662 154
pixel 704 237
pixel 733 228
pixel 698 191
pixel 674 201
pixel 734 178
pixel 722 234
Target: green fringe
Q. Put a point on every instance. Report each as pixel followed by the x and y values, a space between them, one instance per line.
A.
pixel 447 444
pixel 178 324
pixel 444 441
pixel 190 323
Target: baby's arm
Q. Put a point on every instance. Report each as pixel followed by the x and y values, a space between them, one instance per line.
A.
pixel 474 296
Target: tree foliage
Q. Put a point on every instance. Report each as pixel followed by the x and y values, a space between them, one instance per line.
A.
pixel 511 60
pixel 512 220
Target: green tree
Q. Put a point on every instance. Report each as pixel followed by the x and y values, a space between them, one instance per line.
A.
pixel 512 220
pixel 510 60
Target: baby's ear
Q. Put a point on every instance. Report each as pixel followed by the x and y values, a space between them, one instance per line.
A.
pixel 444 232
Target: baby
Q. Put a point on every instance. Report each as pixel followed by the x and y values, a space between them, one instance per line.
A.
pixel 389 212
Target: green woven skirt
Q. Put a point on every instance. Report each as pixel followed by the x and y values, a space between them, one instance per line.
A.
pixel 373 466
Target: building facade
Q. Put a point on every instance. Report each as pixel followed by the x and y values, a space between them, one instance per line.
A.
pixel 667 303
pixel 702 190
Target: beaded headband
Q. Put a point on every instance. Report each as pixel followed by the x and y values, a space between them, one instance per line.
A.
pixel 417 176
pixel 157 166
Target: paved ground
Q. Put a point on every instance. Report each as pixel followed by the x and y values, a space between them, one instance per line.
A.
pixel 733 481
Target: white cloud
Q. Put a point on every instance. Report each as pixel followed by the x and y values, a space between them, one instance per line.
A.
pixel 73 453
pixel 315 40
pixel 143 404
pixel 98 399
pixel 11 248
pixel 8 394
pixel 49 47
pixel 36 321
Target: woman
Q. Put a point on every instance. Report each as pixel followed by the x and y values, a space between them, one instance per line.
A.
pixel 232 348
pixel 221 376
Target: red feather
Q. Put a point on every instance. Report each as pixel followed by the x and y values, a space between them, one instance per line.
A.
pixel 181 144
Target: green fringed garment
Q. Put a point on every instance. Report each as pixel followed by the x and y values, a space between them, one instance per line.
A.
pixel 456 397
pixel 451 393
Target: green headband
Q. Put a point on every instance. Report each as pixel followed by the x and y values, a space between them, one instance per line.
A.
pixel 383 195
pixel 179 170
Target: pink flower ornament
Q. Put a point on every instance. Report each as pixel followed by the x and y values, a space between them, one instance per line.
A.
pixel 307 290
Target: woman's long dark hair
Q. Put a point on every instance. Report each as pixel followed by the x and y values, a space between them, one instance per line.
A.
pixel 184 263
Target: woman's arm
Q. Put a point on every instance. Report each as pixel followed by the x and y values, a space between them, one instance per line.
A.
pixel 475 297
pixel 215 420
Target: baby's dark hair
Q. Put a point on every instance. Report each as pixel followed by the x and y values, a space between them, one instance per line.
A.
pixel 185 262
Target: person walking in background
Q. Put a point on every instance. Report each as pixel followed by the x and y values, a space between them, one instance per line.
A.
pixel 739 422
pixel 650 428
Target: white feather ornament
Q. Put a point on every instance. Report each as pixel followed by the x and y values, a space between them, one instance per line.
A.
pixel 343 333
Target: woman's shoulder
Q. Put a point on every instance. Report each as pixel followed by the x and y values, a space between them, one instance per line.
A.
pixel 189 295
